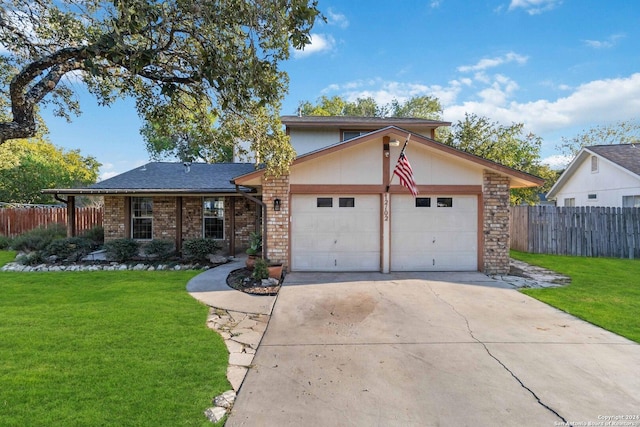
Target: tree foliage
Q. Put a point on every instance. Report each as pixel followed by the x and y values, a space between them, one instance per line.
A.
pixel 221 56
pixel 507 145
pixel 425 107
pixel 28 166
pixel 622 132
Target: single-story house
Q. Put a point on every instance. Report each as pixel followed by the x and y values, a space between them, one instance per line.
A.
pixel 601 175
pixel 340 208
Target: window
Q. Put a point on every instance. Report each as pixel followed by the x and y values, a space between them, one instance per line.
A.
pixel 445 202
pixel 324 202
pixel 570 202
pixel 594 164
pixel 213 218
pixel 592 196
pixel 142 218
pixel 631 201
pixel 423 202
pixel 350 134
pixel 347 202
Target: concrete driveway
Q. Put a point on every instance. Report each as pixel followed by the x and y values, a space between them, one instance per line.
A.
pixel 428 349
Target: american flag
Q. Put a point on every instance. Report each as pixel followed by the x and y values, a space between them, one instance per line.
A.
pixel 405 173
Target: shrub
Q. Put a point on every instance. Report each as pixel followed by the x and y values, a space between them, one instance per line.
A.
pixel 199 249
pixel 5 242
pixel 72 248
pixel 121 250
pixel 39 238
pixel 160 249
pixel 95 235
pixel 260 269
pixel 32 258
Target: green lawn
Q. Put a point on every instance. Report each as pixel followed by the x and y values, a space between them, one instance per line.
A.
pixel 105 349
pixel 603 291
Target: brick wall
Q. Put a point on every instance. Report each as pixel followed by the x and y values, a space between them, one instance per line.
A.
pixel 495 192
pixel 277 222
pixel 164 218
pixel 114 218
pixel 191 217
pixel 247 216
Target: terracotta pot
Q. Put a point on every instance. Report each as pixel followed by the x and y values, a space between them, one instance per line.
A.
pixel 251 261
pixel 275 271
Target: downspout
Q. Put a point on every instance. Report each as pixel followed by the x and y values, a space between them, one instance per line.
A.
pixel 264 218
pixel 71 213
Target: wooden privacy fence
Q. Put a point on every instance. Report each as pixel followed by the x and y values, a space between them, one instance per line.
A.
pixel 579 231
pixel 15 221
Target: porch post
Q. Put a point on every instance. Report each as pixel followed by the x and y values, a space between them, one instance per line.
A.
pixel 71 216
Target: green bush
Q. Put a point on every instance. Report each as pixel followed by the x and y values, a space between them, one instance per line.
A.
pixel 5 242
pixel 160 249
pixel 39 238
pixel 121 250
pixel 95 235
pixel 32 258
pixel 71 249
pixel 199 249
pixel 260 269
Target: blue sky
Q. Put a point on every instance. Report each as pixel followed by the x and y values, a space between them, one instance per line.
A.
pixel 558 66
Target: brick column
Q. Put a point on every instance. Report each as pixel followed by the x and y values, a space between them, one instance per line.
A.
pixel 277 237
pixel 495 192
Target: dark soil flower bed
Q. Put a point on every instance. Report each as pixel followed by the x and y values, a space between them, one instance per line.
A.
pixel 241 280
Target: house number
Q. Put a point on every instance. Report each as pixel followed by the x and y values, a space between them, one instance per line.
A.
pixel 386 207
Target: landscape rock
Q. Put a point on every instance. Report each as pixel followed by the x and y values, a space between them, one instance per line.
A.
pixel 215 414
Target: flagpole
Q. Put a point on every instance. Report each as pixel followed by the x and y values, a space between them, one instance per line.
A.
pixel 404 147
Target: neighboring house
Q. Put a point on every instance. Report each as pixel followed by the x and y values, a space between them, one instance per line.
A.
pixel 335 210
pixel 601 175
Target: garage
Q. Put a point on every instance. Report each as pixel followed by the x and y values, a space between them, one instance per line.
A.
pixel 434 233
pixel 335 232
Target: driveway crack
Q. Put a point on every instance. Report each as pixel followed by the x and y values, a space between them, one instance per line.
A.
pixel 535 396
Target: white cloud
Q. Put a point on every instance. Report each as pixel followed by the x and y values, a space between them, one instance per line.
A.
pixel 338 19
pixel 609 42
pixel 534 7
pixel 487 63
pixel 599 101
pixel 557 161
pixel 434 4
pixel 319 43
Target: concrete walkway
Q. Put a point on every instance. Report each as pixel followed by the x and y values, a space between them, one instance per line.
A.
pixel 210 287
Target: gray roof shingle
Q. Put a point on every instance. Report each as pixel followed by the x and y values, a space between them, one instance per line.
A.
pixel 169 177
pixel 625 155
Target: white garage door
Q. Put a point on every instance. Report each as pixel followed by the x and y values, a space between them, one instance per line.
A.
pixel 335 233
pixel 434 233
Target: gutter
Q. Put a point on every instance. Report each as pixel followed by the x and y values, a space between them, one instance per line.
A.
pixel 264 218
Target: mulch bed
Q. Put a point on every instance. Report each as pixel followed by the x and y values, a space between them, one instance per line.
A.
pixel 241 280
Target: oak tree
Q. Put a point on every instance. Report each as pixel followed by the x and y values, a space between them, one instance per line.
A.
pixel 221 56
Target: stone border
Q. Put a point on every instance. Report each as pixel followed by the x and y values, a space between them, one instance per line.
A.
pixel 242 333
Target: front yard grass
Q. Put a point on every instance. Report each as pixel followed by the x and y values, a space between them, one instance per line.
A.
pixel 106 348
pixel 603 291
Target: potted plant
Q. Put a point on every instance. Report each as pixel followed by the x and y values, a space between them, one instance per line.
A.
pixel 275 271
pixel 255 247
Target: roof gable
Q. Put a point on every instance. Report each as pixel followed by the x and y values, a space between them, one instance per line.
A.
pixel 624 156
pixel 519 179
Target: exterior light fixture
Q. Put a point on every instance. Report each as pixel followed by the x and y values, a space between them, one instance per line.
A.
pixel 276 204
